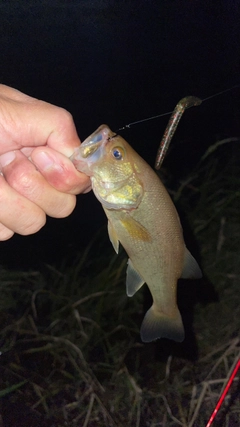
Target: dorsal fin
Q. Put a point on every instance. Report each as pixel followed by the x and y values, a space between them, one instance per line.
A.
pixel 191 269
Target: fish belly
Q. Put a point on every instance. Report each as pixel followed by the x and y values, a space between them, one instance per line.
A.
pixel 157 256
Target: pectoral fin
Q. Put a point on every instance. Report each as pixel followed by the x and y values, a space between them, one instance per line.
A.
pixel 191 269
pixel 135 229
pixel 113 237
pixel 134 280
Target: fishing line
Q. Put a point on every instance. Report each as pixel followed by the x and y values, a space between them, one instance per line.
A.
pixel 170 112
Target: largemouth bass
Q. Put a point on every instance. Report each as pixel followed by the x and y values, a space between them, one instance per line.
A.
pixel 142 217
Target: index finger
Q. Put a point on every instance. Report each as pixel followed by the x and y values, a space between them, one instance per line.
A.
pixel 27 121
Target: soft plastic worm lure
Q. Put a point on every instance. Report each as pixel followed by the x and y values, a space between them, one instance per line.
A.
pixel 183 104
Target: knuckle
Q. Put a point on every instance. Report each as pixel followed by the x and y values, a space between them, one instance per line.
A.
pixel 64 118
pixel 32 225
pixel 27 185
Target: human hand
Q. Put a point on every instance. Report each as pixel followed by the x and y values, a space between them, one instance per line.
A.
pixel 36 176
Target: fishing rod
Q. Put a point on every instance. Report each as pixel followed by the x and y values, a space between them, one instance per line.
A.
pixel 224 393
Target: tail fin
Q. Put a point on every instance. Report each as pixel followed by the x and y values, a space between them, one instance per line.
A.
pixel 157 325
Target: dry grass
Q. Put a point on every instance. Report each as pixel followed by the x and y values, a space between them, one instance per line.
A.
pixel 70 348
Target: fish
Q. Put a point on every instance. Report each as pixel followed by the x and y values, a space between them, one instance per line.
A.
pixel 143 219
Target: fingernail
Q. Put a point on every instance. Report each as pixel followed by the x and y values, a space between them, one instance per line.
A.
pixel 7 158
pixel 43 161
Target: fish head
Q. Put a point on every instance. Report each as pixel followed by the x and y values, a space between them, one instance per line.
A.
pixel 111 164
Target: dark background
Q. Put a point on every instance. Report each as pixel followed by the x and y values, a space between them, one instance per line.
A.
pixel 116 62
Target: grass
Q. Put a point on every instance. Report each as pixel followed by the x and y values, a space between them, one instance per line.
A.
pixel 70 348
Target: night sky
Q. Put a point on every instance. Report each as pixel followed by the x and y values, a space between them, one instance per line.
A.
pixel 116 62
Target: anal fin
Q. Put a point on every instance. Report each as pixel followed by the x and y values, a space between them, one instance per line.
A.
pixel 134 280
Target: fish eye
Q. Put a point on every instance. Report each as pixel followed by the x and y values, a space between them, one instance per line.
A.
pixel 118 153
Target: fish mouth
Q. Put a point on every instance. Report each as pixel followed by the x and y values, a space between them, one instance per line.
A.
pixel 95 141
pixel 91 149
pixel 86 156
pixel 88 150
